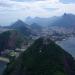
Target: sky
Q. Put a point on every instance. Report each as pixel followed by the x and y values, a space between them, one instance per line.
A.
pixel 11 10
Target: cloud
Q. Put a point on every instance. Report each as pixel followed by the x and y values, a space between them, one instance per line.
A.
pixel 4 5
pixel 34 0
pixel 68 1
pixel 13 9
pixel 28 0
pixel 38 7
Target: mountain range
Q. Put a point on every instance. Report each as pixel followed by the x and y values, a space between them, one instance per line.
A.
pixel 66 20
pixel 41 21
pixel 33 26
pixel 43 56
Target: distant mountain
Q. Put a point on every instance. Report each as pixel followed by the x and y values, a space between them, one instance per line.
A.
pixel 37 28
pixel 41 21
pixel 22 28
pixel 18 24
pixel 44 57
pixel 67 20
pixel 64 24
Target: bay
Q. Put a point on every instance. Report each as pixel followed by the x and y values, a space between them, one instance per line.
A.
pixel 68 45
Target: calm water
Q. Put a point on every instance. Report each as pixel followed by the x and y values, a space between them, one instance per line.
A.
pixel 68 45
pixel 2 67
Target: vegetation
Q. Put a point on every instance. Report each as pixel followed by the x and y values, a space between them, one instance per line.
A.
pixel 4 37
pixel 44 57
pixel 11 39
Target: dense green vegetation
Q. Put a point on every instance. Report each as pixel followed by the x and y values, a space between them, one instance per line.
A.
pixel 4 37
pixel 11 39
pixel 44 57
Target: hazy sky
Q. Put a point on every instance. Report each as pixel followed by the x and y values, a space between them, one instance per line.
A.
pixel 11 10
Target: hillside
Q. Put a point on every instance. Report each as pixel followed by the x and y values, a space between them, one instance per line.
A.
pixel 11 39
pixel 44 57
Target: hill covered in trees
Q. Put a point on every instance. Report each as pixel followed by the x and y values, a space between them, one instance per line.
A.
pixel 44 57
pixel 11 39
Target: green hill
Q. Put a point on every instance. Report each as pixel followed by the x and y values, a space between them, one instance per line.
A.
pixel 44 57
pixel 11 39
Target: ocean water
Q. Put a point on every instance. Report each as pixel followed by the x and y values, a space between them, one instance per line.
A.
pixel 68 45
